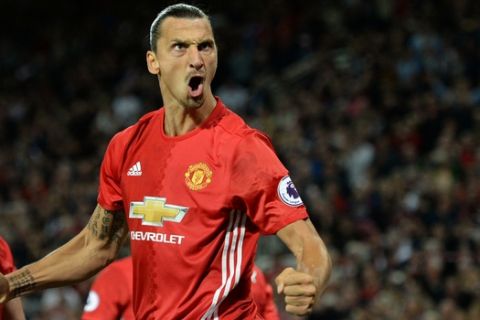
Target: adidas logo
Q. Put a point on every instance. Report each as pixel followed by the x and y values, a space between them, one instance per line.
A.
pixel 136 170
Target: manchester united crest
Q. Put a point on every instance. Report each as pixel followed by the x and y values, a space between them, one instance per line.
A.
pixel 198 176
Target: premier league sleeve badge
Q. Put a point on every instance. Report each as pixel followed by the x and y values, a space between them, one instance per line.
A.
pixel 288 193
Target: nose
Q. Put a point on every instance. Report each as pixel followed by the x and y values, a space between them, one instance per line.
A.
pixel 195 58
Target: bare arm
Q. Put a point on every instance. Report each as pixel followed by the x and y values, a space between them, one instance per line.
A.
pixel 301 287
pixel 88 252
pixel 14 310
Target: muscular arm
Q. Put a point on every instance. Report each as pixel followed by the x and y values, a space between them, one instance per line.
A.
pixel 79 259
pixel 302 286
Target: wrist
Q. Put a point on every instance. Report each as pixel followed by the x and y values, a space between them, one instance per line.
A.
pixel 4 289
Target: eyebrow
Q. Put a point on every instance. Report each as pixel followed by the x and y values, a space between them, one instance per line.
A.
pixel 178 41
pixel 208 41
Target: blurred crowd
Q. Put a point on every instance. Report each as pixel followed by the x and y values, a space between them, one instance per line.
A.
pixel 374 107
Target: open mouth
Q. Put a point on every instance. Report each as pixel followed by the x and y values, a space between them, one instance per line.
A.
pixel 195 86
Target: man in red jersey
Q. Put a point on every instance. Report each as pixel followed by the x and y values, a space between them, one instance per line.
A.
pixel 12 310
pixel 195 187
pixel 262 295
pixel 110 297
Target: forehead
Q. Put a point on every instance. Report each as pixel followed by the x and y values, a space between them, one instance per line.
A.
pixel 186 29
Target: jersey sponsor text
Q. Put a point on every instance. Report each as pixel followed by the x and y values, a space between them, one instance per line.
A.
pixel 157 237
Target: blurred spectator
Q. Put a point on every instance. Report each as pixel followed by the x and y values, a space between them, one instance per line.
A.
pixel 373 105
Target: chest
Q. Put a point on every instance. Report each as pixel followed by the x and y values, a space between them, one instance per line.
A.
pixel 175 184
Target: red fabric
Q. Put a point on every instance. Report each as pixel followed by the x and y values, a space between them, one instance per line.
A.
pixel 6 258
pixel 222 178
pixel 262 294
pixel 6 263
pixel 110 297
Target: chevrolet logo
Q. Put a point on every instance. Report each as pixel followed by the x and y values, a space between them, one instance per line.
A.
pixel 154 211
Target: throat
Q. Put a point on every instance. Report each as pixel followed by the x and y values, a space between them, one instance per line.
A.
pixel 180 123
pixel 180 119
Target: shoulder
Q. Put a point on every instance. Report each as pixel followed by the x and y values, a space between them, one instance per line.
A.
pixel 134 132
pixel 234 126
pixel 120 264
pixel 135 129
pixel 6 258
pixel 5 251
pixel 3 244
pixel 124 265
pixel 245 146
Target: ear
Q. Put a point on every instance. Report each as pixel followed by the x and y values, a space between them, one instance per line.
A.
pixel 152 63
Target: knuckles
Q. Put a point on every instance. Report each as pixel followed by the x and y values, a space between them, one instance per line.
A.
pixel 299 291
pixel 298 310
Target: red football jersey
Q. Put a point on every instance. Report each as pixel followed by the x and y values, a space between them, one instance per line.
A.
pixel 110 297
pixel 6 263
pixel 196 204
pixel 111 292
pixel 262 294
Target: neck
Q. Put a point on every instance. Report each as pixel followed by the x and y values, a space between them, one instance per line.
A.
pixel 180 120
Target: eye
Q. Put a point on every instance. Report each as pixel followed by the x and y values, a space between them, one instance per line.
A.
pixel 179 46
pixel 205 46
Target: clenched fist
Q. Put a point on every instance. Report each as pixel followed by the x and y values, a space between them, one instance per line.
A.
pixel 299 290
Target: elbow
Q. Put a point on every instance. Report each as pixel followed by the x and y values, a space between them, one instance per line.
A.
pixel 99 261
pixel 112 256
pixel 107 257
pixel 100 253
pixel 100 257
pixel 106 260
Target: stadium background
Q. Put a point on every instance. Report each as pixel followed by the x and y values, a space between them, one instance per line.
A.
pixel 373 106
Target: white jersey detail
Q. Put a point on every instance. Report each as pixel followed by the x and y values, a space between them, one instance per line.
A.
pixel 93 301
pixel 231 265
pixel 136 170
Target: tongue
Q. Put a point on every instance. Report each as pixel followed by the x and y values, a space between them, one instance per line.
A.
pixel 197 92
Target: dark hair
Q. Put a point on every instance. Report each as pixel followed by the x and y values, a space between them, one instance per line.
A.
pixel 179 10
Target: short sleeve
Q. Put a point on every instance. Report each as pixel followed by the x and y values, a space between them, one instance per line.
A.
pixel 6 258
pixel 109 191
pixel 261 186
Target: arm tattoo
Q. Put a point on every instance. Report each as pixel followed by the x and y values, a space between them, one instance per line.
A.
pixel 20 283
pixel 118 227
pixel 108 225
pixel 92 223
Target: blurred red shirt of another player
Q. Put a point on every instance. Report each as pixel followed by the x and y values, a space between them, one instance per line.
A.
pixel 262 294
pixel 110 297
pixel 6 263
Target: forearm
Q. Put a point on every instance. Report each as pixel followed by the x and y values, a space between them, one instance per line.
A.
pixel 80 258
pixel 313 258
pixel 310 251
pixel 73 262
pixel 303 286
